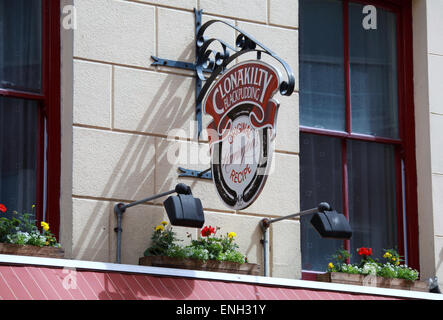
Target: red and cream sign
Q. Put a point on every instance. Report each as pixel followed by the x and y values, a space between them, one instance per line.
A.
pixel 242 130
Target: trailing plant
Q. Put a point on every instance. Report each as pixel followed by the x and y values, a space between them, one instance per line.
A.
pixel 22 229
pixel 390 268
pixel 208 246
pixel 162 241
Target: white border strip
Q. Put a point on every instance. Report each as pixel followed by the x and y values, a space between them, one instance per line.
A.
pixel 113 267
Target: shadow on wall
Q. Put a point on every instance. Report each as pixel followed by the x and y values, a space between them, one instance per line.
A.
pixel 130 167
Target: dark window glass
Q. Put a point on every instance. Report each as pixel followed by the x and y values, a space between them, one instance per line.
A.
pixel 20 45
pixel 322 100
pixel 18 145
pixel 372 201
pixel 373 67
pixel 320 181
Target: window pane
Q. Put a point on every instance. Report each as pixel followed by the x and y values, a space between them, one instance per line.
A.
pixel 18 144
pixel 320 181
pixel 20 44
pixel 373 64
pixel 372 200
pixel 322 101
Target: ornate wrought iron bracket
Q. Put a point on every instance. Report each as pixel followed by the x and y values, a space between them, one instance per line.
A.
pixel 212 58
pixel 206 174
pixel 173 64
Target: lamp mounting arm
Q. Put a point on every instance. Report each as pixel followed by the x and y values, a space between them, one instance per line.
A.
pixel 322 207
pixel 120 208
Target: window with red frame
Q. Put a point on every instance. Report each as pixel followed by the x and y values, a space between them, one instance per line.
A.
pixel 29 108
pixel 355 151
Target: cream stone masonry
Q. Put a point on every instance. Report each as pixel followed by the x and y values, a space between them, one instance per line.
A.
pixel 281 194
pixel 273 38
pixel 436 83
pixel 138 226
pixel 284 250
pixel 115 31
pixel 113 165
pixel 437 143
pixel 283 13
pixel 422 134
pixel 254 10
pixel 287 139
pixel 92 93
pixel 170 45
pixel 91 232
pixel 220 30
pixel 437 194
pixel 66 120
pixel 428 70
pixel 133 125
pixel 435 65
pixel 182 4
pixel 153 102
pixel 172 154
pixel 435 26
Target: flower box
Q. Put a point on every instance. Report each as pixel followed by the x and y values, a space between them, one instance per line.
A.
pixel 194 264
pixel 372 281
pixel 29 250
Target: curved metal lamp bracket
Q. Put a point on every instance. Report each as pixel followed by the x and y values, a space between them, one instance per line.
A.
pixel 210 63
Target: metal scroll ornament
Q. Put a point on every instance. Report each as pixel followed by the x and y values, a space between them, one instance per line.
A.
pixel 213 55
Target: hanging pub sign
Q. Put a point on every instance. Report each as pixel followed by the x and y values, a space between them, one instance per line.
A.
pixel 242 130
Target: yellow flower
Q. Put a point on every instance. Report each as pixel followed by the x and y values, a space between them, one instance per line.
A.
pixel 232 235
pixel 397 263
pixel 164 223
pixel 387 255
pixel 47 243
pixel 330 265
pixel 45 226
pixel 393 259
pixel 159 227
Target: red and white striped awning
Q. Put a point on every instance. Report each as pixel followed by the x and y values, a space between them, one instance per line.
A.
pixel 34 278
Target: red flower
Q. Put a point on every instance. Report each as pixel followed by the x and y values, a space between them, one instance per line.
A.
pixel 207 231
pixel 365 251
pixel 2 208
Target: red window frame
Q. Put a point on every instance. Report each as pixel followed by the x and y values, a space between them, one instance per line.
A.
pixel 405 145
pixel 49 111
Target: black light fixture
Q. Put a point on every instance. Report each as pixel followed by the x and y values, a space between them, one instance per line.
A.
pixel 327 222
pixel 183 210
pixel 331 224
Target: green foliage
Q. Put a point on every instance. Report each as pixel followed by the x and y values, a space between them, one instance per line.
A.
pixel 207 247
pixel 162 241
pixel 22 229
pixel 391 268
pixel 8 227
pixel 340 258
pixel 404 272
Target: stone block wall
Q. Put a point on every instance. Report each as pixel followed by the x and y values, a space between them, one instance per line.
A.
pixel 128 126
